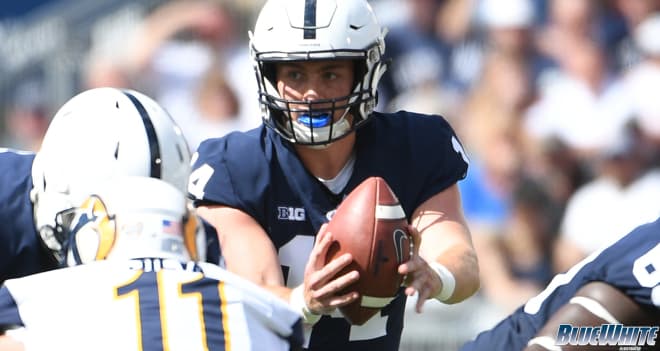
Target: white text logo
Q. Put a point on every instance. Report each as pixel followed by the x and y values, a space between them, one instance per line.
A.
pixel 290 213
pixel 607 334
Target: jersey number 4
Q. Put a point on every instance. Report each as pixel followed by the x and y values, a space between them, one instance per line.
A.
pixel 198 179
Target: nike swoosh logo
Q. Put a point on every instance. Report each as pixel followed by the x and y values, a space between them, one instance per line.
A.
pixel 400 239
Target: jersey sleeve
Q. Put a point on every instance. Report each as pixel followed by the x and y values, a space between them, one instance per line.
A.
pixel 209 180
pixel 230 171
pixel 9 315
pixel 633 265
pixel 21 252
pixel 438 150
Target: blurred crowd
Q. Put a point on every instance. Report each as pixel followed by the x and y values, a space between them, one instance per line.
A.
pixel 554 101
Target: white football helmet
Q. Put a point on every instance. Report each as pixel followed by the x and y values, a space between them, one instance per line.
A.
pixel 300 30
pixel 131 217
pixel 98 135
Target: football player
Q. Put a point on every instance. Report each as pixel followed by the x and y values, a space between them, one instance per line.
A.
pixel 135 280
pixel 270 190
pixel 619 284
pixel 96 135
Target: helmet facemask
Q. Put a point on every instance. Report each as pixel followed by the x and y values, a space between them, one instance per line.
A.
pixel 347 31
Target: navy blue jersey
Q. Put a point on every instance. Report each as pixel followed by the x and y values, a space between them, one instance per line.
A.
pixel 21 251
pixel 260 174
pixel 632 265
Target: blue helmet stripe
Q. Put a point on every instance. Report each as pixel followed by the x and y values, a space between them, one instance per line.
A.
pixel 154 148
pixel 310 20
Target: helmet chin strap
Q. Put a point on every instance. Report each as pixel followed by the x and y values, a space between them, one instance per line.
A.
pixel 305 134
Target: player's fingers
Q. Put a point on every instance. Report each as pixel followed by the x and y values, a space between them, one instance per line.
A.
pixel 324 272
pixel 420 303
pixel 324 244
pixel 417 284
pixel 343 300
pixel 410 291
pixel 414 264
pixel 420 279
pixel 416 238
pixel 336 285
pixel 407 277
pixel 333 267
pixel 425 285
pixel 321 233
pixel 424 293
pixel 320 249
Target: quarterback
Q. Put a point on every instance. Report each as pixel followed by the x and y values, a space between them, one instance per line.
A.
pixel 269 191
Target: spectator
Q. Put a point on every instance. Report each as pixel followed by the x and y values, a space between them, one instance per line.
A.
pixel 632 13
pixel 418 57
pixel 583 94
pixel 26 118
pixel 498 215
pixel 643 80
pixel 623 194
pixel 188 55
pixel 510 27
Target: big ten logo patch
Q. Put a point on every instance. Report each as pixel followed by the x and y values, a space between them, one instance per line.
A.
pixel 285 213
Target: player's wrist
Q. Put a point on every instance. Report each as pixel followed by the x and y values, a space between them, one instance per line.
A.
pixel 448 281
pixel 297 301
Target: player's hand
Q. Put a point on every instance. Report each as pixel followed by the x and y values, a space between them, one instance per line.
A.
pixel 420 277
pixel 320 289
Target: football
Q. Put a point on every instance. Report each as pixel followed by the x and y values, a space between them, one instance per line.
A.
pixel 371 225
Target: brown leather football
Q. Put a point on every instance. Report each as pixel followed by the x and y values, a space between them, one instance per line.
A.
pixel 372 226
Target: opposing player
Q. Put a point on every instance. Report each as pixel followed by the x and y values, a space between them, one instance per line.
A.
pixel 96 135
pixel 270 190
pixel 617 285
pixel 136 282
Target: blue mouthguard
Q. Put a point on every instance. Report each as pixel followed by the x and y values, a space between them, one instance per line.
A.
pixel 317 121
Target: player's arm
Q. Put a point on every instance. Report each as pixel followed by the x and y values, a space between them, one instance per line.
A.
pixel 7 343
pixel 246 248
pixel 249 252
pixel 594 304
pixel 445 245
